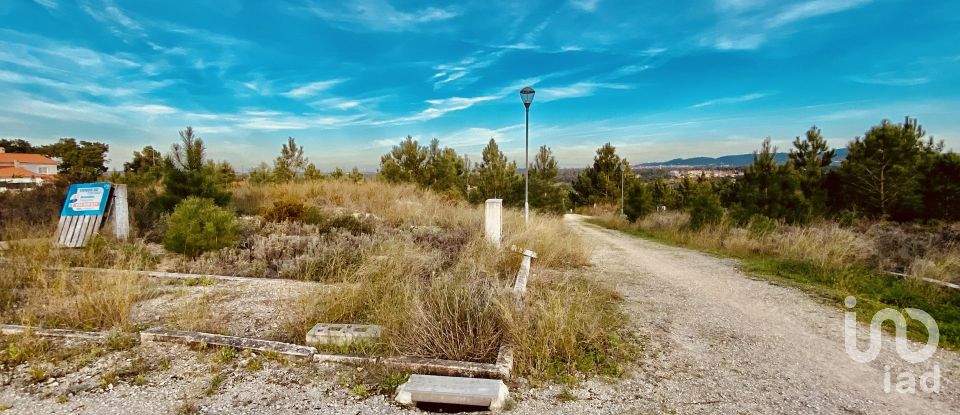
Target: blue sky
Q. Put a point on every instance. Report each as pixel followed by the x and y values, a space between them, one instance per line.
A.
pixel 349 79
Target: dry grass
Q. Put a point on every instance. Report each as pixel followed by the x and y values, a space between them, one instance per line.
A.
pixel 34 296
pixel 439 288
pixel 415 262
pixel 917 251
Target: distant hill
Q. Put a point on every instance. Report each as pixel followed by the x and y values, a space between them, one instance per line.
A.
pixel 736 160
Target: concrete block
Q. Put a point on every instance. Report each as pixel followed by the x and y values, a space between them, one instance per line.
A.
pixel 490 393
pixel 342 334
pixel 493 221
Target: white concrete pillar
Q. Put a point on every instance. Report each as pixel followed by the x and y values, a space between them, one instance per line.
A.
pixel 493 221
pixel 121 213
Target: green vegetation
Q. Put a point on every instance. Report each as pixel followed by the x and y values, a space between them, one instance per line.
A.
pixel 198 225
pixel 444 171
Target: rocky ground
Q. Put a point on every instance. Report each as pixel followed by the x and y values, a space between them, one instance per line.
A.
pixel 715 341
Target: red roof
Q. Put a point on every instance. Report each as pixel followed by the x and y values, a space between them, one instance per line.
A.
pixel 19 172
pixel 9 158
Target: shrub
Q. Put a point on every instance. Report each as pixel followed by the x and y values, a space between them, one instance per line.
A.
pixel 286 210
pixel 706 210
pixel 313 216
pixel 760 225
pixel 198 225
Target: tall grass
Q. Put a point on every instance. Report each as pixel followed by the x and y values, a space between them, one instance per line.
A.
pixel 440 289
pixel 32 294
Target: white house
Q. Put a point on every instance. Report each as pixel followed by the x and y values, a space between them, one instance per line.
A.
pixel 26 168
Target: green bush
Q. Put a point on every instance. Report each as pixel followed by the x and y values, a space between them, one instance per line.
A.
pixel 760 225
pixel 705 210
pixel 286 211
pixel 199 225
pixel 313 216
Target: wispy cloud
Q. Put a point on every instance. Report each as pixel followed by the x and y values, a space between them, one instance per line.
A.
pixel 378 15
pixel 891 79
pixel 812 8
pixel 107 12
pixel 744 42
pixel 585 5
pixel 312 88
pixel 748 24
pixel 575 90
pixel 732 100
pixel 50 4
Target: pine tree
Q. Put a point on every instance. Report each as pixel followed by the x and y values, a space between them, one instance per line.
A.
pixel 882 170
pixel 443 170
pixel 600 183
pixel 545 192
pixel 638 201
pixel 188 174
pixel 811 157
pixel 496 178
pixel 404 163
pixel 770 190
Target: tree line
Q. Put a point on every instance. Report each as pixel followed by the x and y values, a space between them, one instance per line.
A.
pixel 442 170
pixel 893 172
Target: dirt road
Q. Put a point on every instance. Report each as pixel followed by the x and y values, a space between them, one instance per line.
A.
pixel 722 342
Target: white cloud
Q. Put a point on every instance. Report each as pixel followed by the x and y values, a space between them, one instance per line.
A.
pixel 891 79
pixel 154 109
pixel 585 5
pixel 745 42
pixel 312 88
pixel 378 15
pixel 50 4
pixel 748 24
pixel 108 13
pixel 631 69
pixel 813 8
pixel 575 90
pixel 732 100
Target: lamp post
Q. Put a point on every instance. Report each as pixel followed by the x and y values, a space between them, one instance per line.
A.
pixel 526 95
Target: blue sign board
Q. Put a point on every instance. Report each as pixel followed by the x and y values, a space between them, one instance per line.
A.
pixel 86 199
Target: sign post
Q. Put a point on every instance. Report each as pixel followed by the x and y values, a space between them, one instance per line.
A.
pixel 82 214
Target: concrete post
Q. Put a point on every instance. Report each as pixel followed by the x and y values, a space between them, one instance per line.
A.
pixel 121 213
pixel 493 221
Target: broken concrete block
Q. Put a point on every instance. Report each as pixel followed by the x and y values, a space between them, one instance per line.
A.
pixel 490 393
pixel 342 334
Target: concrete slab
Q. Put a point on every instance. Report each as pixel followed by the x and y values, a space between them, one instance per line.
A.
pixel 342 334
pixel 452 390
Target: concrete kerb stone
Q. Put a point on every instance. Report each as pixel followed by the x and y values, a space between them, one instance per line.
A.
pixel 295 351
pixel 15 330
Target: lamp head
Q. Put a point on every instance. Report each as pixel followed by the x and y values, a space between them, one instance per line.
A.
pixel 526 95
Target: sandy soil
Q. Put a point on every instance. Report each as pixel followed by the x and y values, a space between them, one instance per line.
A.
pixel 716 341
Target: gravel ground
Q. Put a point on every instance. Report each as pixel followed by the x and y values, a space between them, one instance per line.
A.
pixel 715 341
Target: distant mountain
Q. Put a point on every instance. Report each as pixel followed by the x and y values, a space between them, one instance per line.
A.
pixel 736 160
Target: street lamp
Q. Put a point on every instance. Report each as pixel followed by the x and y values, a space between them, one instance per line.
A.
pixel 526 95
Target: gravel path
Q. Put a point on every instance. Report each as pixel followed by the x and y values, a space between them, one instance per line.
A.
pixel 715 341
pixel 722 342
